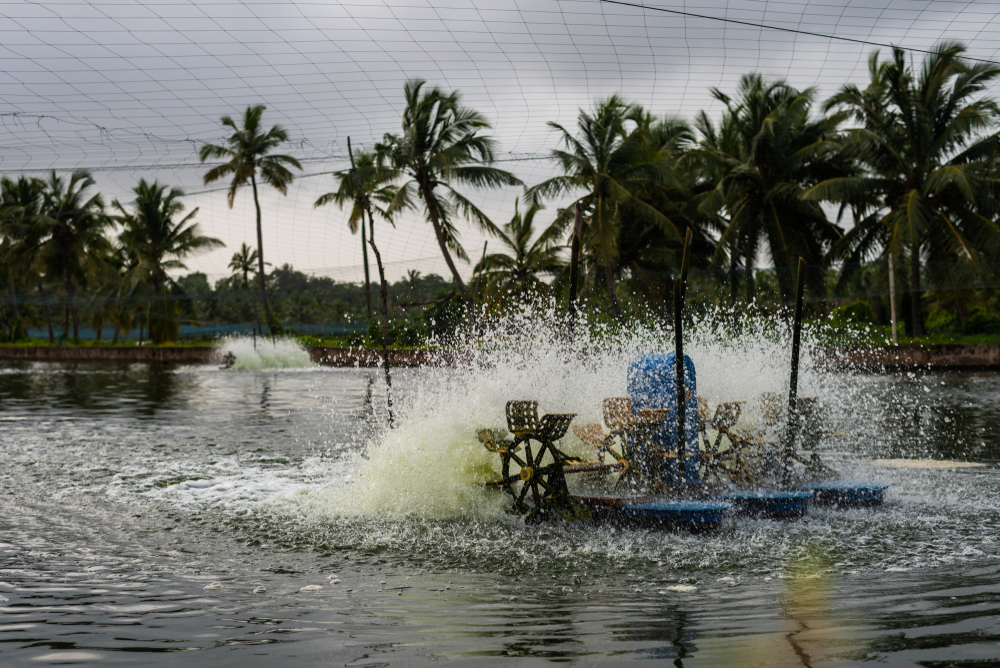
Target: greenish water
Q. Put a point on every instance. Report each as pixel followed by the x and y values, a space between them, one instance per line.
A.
pixel 145 509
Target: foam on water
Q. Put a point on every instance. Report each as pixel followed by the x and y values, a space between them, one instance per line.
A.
pixel 429 463
pixel 283 353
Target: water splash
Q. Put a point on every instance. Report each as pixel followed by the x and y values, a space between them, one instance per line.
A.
pixel 283 353
pixel 430 463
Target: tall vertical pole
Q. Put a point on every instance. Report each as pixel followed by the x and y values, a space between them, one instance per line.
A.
pixel 892 299
pixel 368 283
pixel 793 383
pixel 479 275
pixel 679 289
pixel 381 275
pixel 573 266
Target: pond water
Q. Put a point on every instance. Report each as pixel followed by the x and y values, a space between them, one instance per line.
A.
pixel 268 517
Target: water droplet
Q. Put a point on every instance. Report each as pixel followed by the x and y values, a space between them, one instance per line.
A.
pixel 214 585
pixel 260 590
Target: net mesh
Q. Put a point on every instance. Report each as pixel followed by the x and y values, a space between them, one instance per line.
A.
pixel 129 90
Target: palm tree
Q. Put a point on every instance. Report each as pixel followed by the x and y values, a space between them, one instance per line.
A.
pixel 440 147
pixel 761 159
pixel 531 255
pixel 158 238
pixel 615 161
pixel 74 236
pixel 20 207
pixel 243 264
pixel 248 152
pixel 931 187
pixel 376 180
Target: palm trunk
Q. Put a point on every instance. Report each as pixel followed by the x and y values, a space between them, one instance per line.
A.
pixel 98 329
pixel 13 291
pixel 142 327
pixel 260 260
pixel 76 320
pixel 918 321
pixel 368 283
pixel 45 311
pixel 114 341
pixel 734 286
pixel 68 305
pixel 613 293
pixel 431 202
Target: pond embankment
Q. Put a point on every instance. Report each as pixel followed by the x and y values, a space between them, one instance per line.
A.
pixel 942 356
pixel 936 356
pixel 325 355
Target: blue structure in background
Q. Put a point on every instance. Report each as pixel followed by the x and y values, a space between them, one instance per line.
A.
pixel 652 383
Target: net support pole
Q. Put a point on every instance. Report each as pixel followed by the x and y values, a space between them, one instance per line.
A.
pixel 892 299
pixel 479 275
pixel 793 382
pixel 574 266
pixel 679 289
pixel 368 281
pixel 381 275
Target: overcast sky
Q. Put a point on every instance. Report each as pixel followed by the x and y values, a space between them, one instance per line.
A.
pixel 130 89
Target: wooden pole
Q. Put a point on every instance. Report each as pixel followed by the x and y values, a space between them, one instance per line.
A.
pixel 381 275
pixel 573 266
pixel 892 299
pixel 793 383
pixel 679 290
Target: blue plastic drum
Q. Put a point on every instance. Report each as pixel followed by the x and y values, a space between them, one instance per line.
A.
pixel 652 383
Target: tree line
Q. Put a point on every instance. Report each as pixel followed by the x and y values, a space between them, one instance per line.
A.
pixel 907 164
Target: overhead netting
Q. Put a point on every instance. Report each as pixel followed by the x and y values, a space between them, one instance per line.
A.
pixel 130 89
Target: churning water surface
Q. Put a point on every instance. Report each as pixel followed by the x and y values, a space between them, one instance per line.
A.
pixel 268 517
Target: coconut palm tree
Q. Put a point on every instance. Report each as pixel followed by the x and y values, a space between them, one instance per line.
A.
pixel 530 255
pixel 377 181
pixel 760 160
pixel 928 143
pixel 21 233
pixel 618 165
pixel 249 156
pixel 243 264
pixel 74 224
pixel 155 234
pixel 439 149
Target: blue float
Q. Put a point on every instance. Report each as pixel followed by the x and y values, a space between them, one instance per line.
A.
pixel 846 492
pixel 660 512
pixel 687 510
pixel 772 503
pixel 652 383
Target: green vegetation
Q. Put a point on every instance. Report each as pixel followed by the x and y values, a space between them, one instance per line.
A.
pixel 905 168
